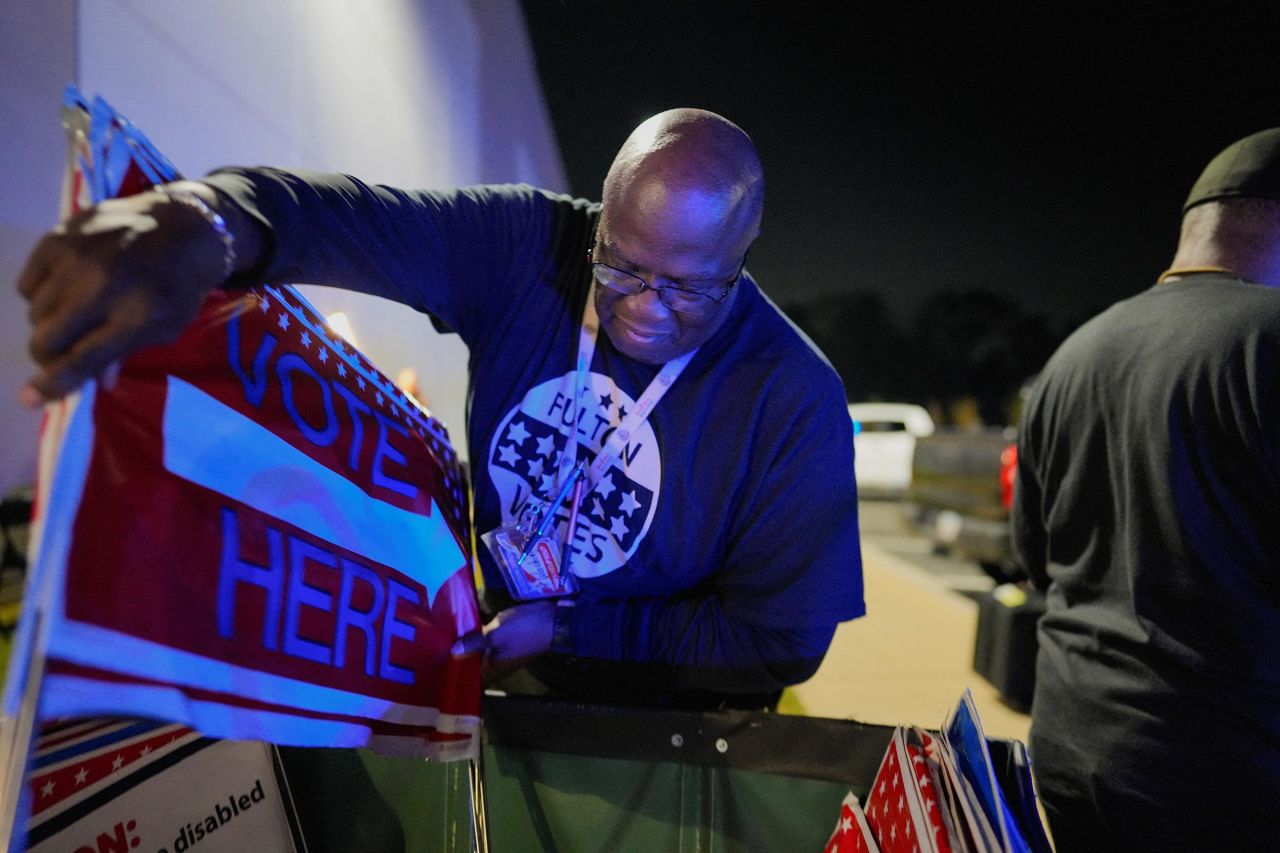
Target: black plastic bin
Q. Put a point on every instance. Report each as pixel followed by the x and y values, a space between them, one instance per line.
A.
pixel 1004 650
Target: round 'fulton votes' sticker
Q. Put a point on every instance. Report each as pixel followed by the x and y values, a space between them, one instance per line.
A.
pixel 525 457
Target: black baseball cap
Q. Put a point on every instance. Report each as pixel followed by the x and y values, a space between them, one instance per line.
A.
pixel 1247 168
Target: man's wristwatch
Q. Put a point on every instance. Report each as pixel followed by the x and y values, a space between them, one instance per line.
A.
pixel 211 216
pixel 562 628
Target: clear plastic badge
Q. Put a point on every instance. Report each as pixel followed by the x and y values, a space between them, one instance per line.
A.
pixel 530 570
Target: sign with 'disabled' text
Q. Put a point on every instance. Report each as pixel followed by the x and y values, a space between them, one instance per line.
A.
pixel 133 786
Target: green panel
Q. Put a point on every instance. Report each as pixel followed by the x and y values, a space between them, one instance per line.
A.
pixel 431 800
pixel 561 778
pixel 754 811
pixel 353 801
pixel 573 804
pixel 556 803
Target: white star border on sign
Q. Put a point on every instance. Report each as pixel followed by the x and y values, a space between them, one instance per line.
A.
pixel 411 415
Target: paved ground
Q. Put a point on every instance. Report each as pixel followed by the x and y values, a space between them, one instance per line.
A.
pixel 911 657
pixel 884 524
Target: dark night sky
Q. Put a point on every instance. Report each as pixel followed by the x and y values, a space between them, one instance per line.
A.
pixel 912 148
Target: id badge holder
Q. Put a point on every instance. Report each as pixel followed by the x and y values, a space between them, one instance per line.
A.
pixel 537 574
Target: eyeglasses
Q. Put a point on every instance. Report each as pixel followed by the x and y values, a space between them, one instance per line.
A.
pixel 687 298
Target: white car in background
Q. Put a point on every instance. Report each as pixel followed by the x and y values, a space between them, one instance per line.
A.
pixel 884 442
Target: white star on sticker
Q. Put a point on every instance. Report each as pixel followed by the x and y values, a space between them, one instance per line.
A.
pixel 597 507
pixel 535 468
pixel 117 763
pixel 618 526
pixel 342 369
pixel 377 398
pixel 846 824
pixel 264 304
pixel 283 322
pixel 507 453
pixel 629 503
pixel 144 750
pixel 324 354
pixel 360 382
pixel 517 433
pixel 306 340
pixel 46 790
pixel 81 775
pixel 545 445
pixel 606 487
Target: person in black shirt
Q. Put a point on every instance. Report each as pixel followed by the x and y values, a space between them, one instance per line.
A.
pixel 1146 503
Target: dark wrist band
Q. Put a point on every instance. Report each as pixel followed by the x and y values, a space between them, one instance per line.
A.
pixel 211 216
pixel 562 628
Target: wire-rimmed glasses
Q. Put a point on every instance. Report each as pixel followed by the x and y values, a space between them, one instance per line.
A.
pixel 687 297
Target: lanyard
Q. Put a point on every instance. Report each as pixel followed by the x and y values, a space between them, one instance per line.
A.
pixel 657 387
pixel 571 475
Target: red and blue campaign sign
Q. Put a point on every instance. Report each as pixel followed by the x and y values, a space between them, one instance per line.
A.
pixel 113 784
pixel 252 532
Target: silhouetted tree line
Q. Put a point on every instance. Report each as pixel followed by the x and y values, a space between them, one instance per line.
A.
pixel 959 344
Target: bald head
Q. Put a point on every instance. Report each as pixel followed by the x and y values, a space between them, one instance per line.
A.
pixel 682 205
pixel 695 171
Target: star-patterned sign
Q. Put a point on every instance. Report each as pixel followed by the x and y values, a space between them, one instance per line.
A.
pixel 371 387
pixel 94 755
pixel 90 639
pixel 900 812
pixel 533 450
pixel 852 834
